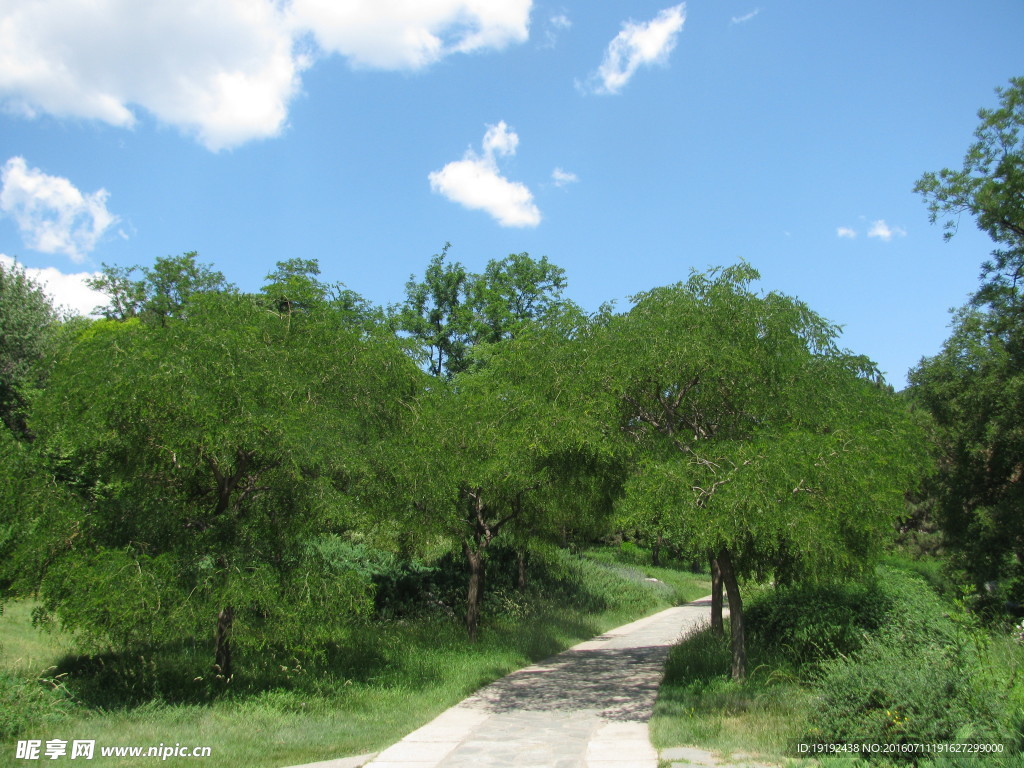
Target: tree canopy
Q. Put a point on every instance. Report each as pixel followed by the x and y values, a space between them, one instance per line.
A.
pixel 452 312
pixel 510 446
pixel 758 442
pixel 990 188
pixel 974 387
pixel 212 451
pixel 27 327
pixel 162 292
pixel 204 456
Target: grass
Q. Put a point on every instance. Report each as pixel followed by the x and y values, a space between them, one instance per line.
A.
pixel 700 705
pixel 386 679
pixel 24 649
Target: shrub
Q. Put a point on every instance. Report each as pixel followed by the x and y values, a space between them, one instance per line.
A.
pixel 809 623
pixel 921 678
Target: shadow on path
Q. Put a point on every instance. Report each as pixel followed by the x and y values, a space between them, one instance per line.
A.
pixel 620 683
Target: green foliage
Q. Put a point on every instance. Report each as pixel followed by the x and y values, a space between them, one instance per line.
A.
pixel 511 293
pixel 28 705
pixel 113 598
pixel 379 679
pixel 163 291
pixel 436 313
pixel 27 325
pixel 922 677
pixel 207 452
pixel 754 438
pixel 974 388
pixel 631 553
pixel 808 623
pixel 751 429
pixel 453 313
pixel 28 494
pixel 932 569
pixel 891 693
pixel 510 446
pixel 294 287
pixel 990 187
pixel 880 661
pixel 701 658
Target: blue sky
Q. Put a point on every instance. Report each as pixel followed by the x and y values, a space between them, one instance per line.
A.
pixel 626 141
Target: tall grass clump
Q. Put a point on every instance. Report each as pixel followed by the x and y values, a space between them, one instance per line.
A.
pixel 27 702
pixel 699 703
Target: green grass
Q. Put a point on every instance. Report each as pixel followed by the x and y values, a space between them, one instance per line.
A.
pixel 23 648
pixel 680 585
pixel 928 567
pixel 386 679
pixel 699 704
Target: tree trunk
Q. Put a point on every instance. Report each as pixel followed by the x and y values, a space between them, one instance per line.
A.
pixel 521 562
pixel 475 559
pixel 656 552
pixel 222 651
pixel 739 640
pixel 716 597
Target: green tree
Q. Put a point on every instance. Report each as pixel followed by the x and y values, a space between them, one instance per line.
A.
pixel 452 313
pixel 511 293
pixel 210 453
pixel 27 493
pixel 990 188
pixel 295 287
pixel 436 313
pixel 28 325
pixel 756 441
pixel 974 387
pixel 505 448
pixel 162 292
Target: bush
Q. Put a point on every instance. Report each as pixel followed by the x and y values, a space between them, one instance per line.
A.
pixel 921 678
pixel 810 623
pixel 890 692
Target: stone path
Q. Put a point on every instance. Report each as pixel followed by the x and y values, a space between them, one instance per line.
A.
pixel 587 707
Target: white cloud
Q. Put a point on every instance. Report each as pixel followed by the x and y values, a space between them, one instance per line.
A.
pixel 555 24
pixel 745 17
pixel 560 21
pixel 500 140
pixel 476 183
pixel 224 71
pixel 65 290
pixel 884 232
pixel 409 34
pixel 561 178
pixel 846 232
pixel 52 215
pixel 638 45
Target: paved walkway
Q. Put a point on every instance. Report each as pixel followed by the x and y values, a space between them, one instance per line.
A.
pixel 587 707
